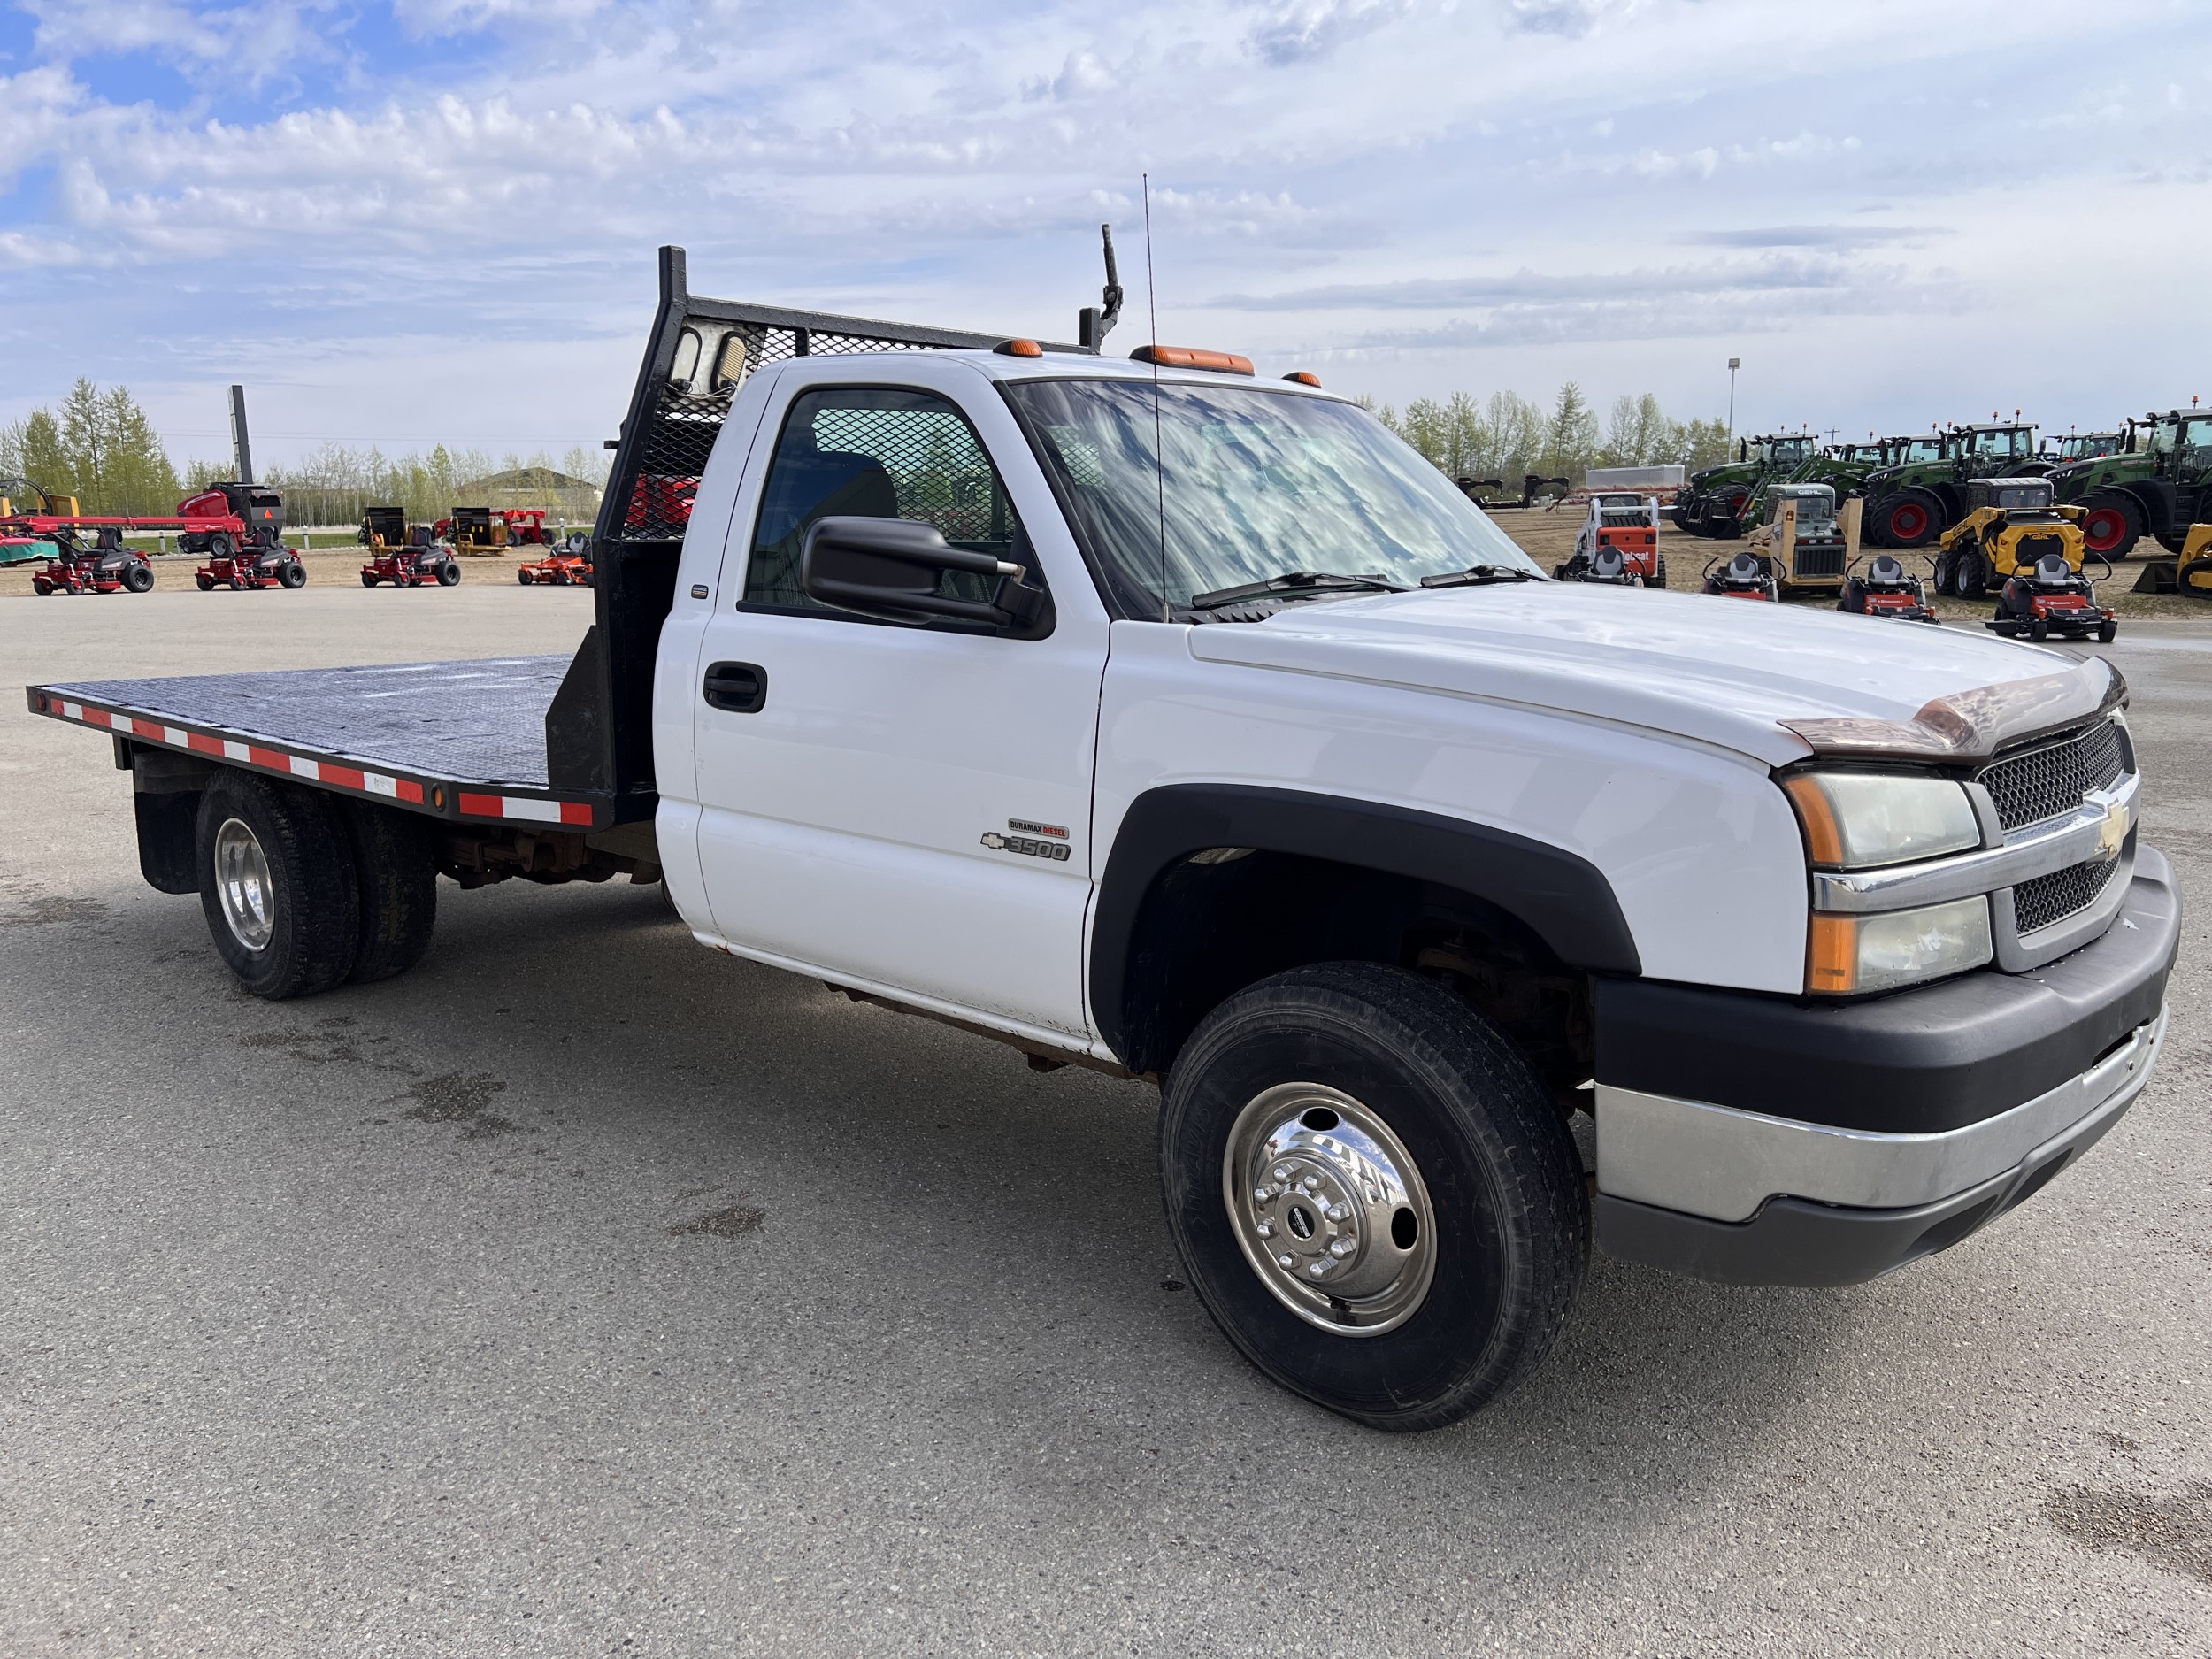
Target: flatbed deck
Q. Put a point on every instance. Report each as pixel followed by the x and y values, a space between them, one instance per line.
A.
pixel 463 741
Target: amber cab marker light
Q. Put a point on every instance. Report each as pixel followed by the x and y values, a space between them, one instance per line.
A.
pixel 1822 839
pixel 1018 348
pixel 1301 377
pixel 1831 954
pixel 1192 357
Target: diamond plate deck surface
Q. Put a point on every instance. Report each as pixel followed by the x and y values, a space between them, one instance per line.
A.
pixel 480 721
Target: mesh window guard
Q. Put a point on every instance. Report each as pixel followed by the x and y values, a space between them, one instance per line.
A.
pixel 875 452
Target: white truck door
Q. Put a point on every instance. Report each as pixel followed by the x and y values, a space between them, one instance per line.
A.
pixel 902 807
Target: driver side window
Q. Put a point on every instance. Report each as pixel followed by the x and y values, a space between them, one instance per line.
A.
pixel 876 452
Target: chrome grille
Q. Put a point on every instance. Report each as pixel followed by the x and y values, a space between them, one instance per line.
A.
pixel 2062 894
pixel 2048 781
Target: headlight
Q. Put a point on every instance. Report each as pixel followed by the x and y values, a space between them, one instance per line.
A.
pixel 1850 955
pixel 1855 820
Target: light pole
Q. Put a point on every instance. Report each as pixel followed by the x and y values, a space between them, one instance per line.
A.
pixel 1733 364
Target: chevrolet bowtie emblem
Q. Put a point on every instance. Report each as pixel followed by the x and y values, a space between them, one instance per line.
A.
pixel 2113 833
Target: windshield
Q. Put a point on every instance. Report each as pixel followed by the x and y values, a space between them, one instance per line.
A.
pixel 2006 444
pixel 1254 485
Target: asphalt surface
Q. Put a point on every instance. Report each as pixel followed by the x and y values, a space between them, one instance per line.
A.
pixel 585 1292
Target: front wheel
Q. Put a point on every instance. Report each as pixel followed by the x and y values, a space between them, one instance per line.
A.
pixel 1372 1196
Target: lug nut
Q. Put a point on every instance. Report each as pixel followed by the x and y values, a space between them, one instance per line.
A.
pixel 1338 1212
pixel 1342 1247
pixel 1286 1260
pixel 1265 1229
pixel 1262 1193
pixel 1281 1172
pixel 1319 1268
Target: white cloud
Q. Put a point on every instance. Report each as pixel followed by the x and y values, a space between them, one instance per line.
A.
pixel 955 169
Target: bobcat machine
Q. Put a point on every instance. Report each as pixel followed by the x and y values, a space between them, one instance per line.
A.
pixel 1626 524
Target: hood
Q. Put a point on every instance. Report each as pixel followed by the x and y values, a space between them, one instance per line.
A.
pixel 1775 682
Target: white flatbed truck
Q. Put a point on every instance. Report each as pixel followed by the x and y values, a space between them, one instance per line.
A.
pixel 1153 718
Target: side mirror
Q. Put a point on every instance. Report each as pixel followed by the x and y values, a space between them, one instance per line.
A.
pixel 890 568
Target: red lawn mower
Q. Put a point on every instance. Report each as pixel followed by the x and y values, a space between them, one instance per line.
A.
pixel 566 566
pixel 1745 576
pixel 404 554
pixel 1883 589
pixel 105 566
pixel 257 566
pixel 2048 598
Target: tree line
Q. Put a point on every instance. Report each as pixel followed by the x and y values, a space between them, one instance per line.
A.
pixel 98 446
pixel 1506 436
pixel 338 484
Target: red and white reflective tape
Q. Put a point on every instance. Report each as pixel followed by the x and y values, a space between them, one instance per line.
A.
pixel 524 808
pixel 330 773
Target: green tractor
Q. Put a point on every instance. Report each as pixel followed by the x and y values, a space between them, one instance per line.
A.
pixel 2158 485
pixel 1715 501
pixel 1914 500
pixel 2083 446
pixel 1843 467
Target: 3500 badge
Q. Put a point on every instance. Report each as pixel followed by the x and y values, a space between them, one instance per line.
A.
pixel 1032 841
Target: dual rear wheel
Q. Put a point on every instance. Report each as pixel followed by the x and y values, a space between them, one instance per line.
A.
pixel 304 891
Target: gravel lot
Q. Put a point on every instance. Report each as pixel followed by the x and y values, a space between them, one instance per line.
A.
pixel 587 1293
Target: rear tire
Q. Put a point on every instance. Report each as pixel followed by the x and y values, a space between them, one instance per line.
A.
pixel 292 573
pixel 395 855
pixel 448 573
pixel 285 912
pixel 1507 1234
pixel 1910 519
pixel 138 577
pixel 2111 522
pixel 205 584
pixel 367 580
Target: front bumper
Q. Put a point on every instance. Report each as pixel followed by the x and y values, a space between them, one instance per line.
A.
pixel 1758 1141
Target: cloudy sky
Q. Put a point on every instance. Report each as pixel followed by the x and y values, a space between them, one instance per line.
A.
pixel 435 219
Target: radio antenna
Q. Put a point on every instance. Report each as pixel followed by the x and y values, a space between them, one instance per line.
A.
pixel 1159 461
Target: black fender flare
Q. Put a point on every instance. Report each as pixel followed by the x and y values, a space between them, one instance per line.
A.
pixel 1560 897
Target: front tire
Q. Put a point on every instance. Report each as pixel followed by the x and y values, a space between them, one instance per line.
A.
pixel 1499 1235
pixel 277 886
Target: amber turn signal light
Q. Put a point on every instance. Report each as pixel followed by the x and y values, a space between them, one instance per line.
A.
pixel 1018 348
pixel 1300 376
pixel 1192 357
